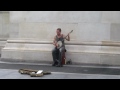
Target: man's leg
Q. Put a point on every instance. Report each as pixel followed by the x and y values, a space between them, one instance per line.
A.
pixel 61 52
pixel 54 56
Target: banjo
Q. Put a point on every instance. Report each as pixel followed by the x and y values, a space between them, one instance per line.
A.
pixel 59 43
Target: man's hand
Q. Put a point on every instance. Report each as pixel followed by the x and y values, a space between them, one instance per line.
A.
pixel 68 37
pixel 55 44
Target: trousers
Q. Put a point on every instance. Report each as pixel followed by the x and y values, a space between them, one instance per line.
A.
pixel 57 54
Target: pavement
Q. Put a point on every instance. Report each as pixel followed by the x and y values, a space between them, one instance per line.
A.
pixel 13 74
pixel 9 70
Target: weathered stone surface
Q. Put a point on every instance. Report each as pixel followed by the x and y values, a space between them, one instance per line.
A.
pixel 29 35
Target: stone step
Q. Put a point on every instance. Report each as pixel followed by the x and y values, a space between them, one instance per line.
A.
pixel 38 51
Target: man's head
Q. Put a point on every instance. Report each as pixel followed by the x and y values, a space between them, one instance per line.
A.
pixel 58 31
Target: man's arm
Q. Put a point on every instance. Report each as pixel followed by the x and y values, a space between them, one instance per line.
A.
pixel 54 41
pixel 67 38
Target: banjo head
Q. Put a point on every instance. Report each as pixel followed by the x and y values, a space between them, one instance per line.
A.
pixel 59 43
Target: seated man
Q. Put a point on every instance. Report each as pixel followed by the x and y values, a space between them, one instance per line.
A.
pixel 59 37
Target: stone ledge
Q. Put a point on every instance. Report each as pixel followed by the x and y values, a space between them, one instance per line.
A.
pixel 2 43
pixel 73 47
pixel 3 39
pixel 4 11
pixel 102 43
pixel 68 51
pixel 24 61
pixel 86 58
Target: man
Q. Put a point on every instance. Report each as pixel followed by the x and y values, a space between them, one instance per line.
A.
pixel 59 37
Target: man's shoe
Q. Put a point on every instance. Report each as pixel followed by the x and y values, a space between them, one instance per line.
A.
pixel 59 64
pixel 54 63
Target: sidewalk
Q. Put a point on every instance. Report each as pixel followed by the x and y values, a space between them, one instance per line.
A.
pixel 14 74
pixel 9 70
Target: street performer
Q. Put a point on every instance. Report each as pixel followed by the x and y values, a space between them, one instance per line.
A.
pixel 59 37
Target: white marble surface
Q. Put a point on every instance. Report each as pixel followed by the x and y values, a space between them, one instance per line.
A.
pixel 4 25
pixel 93 29
pixel 93 32
pixel 0 18
pixel 55 16
pixel 45 31
pixel 111 17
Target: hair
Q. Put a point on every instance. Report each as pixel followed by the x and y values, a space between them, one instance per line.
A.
pixel 59 29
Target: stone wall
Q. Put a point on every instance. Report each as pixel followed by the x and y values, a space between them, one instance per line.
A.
pixel 95 38
pixel 4 28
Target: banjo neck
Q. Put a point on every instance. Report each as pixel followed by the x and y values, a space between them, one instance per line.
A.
pixel 67 34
